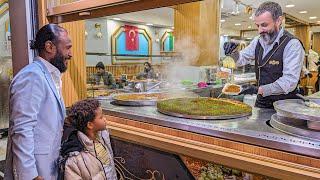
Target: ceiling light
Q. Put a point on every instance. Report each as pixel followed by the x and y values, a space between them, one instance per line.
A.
pixel 313 17
pixel 226 35
pixel 249 27
pixel 117 19
pixel 149 24
pixel 222 20
pixel 290 5
pixel 249 38
pixel 303 12
pixel 237 24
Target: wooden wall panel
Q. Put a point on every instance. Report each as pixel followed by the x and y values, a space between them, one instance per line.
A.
pixel 302 33
pixel 198 25
pixel 186 24
pixel 209 32
pixel 74 80
pixel 42 12
pixel 130 70
pixel 316 42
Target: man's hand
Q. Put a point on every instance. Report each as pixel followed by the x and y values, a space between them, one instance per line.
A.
pixel 260 91
pixel 38 178
pixel 249 89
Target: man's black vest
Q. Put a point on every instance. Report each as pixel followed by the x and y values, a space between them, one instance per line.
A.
pixel 270 68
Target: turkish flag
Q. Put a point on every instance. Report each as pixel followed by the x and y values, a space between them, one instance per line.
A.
pixel 132 38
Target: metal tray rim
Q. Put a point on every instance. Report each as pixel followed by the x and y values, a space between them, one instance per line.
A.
pixel 132 103
pixel 291 114
pixel 151 102
pixel 197 117
pixel 277 124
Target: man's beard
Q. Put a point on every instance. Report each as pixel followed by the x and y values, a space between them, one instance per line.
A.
pixel 269 37
pixel 58 62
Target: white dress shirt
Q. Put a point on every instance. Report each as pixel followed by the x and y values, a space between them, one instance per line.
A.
pixel 293 56
pixel 55 75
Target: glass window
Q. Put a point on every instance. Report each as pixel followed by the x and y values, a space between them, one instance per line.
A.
pixel 123 43
pixel 5 63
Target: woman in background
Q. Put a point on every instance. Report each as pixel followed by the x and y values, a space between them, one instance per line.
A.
pixel 148 72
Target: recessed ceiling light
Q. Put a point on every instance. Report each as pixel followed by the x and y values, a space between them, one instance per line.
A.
pixel 249 27
pixel 149 24
pixel 290 5
pixel 222 20
pixel 237 24
pixel 117 19
pixel 313 17
pixel 303 12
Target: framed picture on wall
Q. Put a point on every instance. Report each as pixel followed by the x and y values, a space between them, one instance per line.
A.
pixel 167 42
pixel 131 44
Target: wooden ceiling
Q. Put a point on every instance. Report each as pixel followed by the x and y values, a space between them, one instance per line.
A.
pixel 88 9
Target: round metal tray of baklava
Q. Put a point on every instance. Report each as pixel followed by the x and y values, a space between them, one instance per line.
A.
pixel 223 117
pixel 296 109
pixel 135 102
pixel 294 127
pixel 203 108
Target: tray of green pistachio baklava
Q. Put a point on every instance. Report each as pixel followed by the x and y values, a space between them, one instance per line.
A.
pixel 204 108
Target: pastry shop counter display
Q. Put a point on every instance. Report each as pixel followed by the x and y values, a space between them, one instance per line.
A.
pixel 207 138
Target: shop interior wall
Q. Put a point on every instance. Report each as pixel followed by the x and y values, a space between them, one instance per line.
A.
pixel 103 45
pixel 316 42
pixel 74 79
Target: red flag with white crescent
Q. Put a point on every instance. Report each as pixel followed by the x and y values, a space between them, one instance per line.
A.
pixel 132 38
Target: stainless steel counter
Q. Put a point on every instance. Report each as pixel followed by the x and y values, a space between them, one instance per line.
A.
pixel 250 130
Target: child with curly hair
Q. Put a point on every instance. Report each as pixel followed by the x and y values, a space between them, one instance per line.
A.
pixel 87 152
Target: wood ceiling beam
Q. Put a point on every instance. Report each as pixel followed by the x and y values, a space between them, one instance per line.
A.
pixel 88 9
pixel 293 18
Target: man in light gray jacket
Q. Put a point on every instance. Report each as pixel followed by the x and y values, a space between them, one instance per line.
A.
pixel 37 110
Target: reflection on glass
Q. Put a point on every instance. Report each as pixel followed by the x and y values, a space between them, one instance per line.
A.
pixel 175 41
pixel 129 44
pixel 5 63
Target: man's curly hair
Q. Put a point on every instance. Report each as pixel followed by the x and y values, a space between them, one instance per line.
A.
pixel 83 112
